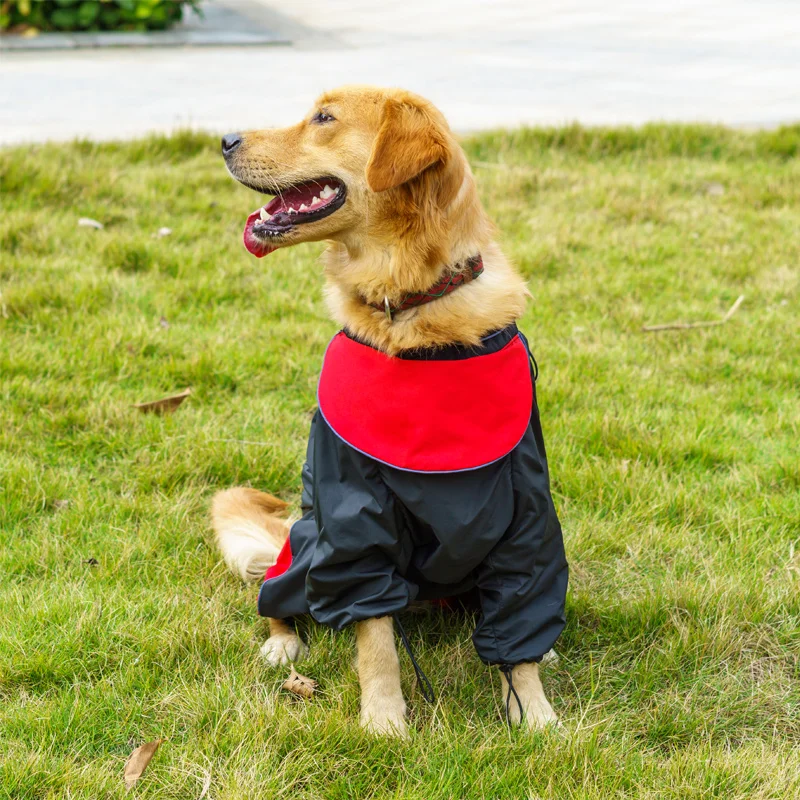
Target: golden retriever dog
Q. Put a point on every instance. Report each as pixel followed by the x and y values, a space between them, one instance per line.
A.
pixel 379 176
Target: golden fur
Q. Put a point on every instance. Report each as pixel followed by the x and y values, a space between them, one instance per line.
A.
pixel 411 213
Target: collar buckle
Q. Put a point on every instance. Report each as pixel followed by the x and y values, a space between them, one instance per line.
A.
pixel 451 281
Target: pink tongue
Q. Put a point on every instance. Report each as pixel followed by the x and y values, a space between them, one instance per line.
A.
pixel 255 246
pixel 294 198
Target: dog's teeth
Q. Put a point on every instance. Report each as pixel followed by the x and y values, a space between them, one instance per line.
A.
pixel 326 192
pixel 315 201
pixel 263 214
pixel 303 207
pixel 291 210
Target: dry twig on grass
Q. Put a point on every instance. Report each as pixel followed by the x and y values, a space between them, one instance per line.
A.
pixel 681 326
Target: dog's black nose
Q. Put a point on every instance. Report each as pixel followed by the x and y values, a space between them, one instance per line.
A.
pixel 230 141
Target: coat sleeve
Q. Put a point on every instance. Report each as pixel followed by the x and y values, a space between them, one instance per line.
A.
pixel 283 592
pixel 522 583
pixel 361 552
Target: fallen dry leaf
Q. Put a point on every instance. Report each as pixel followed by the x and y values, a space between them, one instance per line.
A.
pixel 164 406
pixel 88 222
pixel 299 684
pixel 138 760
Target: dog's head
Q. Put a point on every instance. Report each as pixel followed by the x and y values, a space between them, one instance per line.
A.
pixel 362 162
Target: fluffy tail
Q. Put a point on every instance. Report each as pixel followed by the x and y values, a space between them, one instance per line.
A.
pixel 250 531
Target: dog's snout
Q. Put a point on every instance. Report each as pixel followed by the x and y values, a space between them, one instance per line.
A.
pixel 230 141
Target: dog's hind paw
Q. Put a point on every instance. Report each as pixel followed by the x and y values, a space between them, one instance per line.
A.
pixel 283 648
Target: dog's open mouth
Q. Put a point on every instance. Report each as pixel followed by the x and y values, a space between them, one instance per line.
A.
pixel 294 205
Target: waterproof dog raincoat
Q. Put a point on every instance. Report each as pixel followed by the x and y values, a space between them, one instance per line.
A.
pixel 426 477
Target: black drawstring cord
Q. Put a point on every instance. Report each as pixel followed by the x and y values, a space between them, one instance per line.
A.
pixel 535 367
pixel 422 679
pixel 507 669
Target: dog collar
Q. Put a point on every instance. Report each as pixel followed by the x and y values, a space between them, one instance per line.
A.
pixel 461 274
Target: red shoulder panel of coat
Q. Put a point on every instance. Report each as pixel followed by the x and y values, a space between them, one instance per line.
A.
pixel 427 416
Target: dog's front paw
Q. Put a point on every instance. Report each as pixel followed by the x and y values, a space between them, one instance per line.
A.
pixel 526 702
pixel 539 714
pixel 283 648
pixel 385 717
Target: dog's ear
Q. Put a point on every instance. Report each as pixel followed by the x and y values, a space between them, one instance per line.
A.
pixel 409 141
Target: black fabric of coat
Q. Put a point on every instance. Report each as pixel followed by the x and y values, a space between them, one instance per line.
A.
pixel 374 538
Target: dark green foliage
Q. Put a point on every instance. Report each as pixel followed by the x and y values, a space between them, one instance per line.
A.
pixel 91 15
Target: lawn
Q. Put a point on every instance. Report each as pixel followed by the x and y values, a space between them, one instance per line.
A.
pixel 675 461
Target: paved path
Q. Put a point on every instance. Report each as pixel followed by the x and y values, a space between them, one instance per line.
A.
pixel 486 63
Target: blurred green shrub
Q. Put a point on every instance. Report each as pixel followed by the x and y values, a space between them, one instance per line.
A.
pixel 30 16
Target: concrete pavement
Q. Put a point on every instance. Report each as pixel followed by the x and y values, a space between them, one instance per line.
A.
pixel 486 64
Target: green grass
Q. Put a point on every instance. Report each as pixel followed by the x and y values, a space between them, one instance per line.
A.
pixel 674 456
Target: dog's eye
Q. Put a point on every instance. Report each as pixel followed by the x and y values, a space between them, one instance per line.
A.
pixel 321 117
